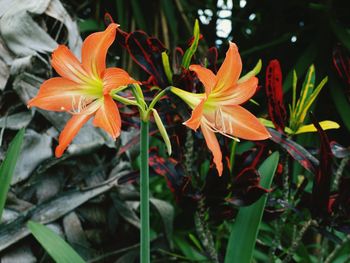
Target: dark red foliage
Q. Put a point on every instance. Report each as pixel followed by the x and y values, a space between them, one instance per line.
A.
pixel 322 182
pixel 339 206
pixel 212 56
pixel 146 51
pixel 341 62
pixel 246 189
pixel 274 92
pixel 190 41
pixel 298 152
pixel 172 171
pixel 179 53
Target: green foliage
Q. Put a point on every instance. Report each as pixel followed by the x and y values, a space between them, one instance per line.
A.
pixel 308 94
pixel 246 226
pixel 7 167
pixel 55 246
pixel 186 60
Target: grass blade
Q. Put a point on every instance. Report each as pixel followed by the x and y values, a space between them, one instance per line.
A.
pixel 55 246
pixel 245 229
pixel 8 167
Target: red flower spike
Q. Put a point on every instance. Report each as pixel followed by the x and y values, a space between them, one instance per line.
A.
pixel 274 92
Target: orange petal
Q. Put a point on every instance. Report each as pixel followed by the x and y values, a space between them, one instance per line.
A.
pixel 57 94
pixel 70 131
pixel 196 116
pixel 214 147
pixel 113 78
pixel 230 69
pixel 108 118
pixel 238 122
pixel 206 76
pixel 67 65
pixel 95 49
pixel 239 94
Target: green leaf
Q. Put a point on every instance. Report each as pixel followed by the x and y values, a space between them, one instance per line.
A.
pixel 8 167
pixel 255 71
pixel 166 211
pixel 138 15
pixel 55 246
pixel 245 229
pixel 186 61
pixel 121 14
pixel 325 125
pixel 306 90
pixel 169 11
pixel 166 66
pixel 162 130
pixel 89 25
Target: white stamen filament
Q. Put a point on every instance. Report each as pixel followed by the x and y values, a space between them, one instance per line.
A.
pixel 219 125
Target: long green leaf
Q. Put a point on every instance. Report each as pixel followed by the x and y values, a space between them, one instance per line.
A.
pixel 192 49
pixel 8 167
pixel 138 15
pixel 245 229
pixel 55 246
pixel 169 10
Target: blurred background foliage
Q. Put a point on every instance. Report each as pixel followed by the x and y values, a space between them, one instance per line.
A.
pixel 298 33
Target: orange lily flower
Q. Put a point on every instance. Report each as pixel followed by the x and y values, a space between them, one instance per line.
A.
pixel 218 110
pixel 84 87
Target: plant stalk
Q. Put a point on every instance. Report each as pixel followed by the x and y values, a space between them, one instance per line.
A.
pixel 144 202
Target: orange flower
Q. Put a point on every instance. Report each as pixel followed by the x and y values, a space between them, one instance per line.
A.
pixel 218 110
pixel 84 88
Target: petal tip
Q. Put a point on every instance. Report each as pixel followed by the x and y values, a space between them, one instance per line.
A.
pixel 59 151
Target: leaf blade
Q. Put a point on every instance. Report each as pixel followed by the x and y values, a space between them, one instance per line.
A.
pixel 7 167
pixel 55 246
pixel 245 229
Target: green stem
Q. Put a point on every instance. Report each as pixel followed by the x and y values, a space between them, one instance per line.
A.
pixel 124 100
pixel 144 202
pixel 156 99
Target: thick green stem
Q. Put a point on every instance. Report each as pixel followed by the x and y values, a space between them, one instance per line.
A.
pixel 144 202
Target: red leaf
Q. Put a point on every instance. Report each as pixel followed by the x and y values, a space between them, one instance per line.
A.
pixel 322 182
pixel 298 152
pixel 341 62
pixel 274 92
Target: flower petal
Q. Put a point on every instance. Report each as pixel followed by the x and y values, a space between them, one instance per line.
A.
pixel 67 65
pixel 214 147
pixel 113 78
pixel 57 94
pixel 206 76
pixel 230 70
pixel 196 116
pixel 70 131
pixel 238 122
pixel 238 94
pixel 95 49
pixel 108 118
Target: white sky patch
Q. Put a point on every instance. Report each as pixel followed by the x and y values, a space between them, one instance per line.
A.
pixel 205 16
pixel 242 3
pixel 223 28
pixel 224 13
pixel 224 23
pixel 252 16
